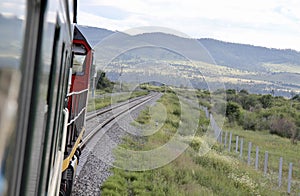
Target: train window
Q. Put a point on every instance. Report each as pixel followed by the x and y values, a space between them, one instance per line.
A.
pixel 9 87
pixel 12 23
pixel 79 56
pixel 78 63
pixel 79 49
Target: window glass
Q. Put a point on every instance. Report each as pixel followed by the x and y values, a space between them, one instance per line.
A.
pixel 12 22
pixel 79 54
pixel 78 63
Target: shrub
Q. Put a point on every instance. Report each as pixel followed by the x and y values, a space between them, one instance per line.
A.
pixel 176 111
pixel 249 121
pixel 233 112
pixel 266 101
pixel 282 126
pixel 296 97
pixel 196 143
pixel 248 101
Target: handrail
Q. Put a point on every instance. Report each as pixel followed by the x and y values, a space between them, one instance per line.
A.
pixel 76 117
pixel 77 92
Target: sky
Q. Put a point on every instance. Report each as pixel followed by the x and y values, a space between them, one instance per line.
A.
pixel 268 23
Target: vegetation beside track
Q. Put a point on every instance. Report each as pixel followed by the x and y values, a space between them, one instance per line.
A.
pixel 215 173
pixel 108 92
pixel 276 115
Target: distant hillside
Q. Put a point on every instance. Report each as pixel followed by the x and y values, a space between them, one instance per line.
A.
pixel 233 55
pixel 248 57
pixel 257 69
pixel 94 34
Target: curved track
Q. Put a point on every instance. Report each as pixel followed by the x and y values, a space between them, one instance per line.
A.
pixel 104 132
pixel 108 115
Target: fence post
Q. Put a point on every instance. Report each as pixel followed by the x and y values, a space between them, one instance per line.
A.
pixel 229 143
pixel 221 135
pixel 290 178
pixel 266 163
pixel 241 148
pixel 237 144
pixel 249 152
pixel 280 172
pixel 206 112
pixel 225 139
pixel 256 157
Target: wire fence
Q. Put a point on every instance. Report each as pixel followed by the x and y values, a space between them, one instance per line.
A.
pixel 284 174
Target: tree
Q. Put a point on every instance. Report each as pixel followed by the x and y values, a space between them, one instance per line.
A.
pixel 248 101
pixel 102 81
pixel 296 97
pixel 231 95
pixel 244 91
pixel 233 112
pixel 230 92
pixel 266 101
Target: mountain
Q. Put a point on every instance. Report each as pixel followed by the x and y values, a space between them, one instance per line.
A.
pixel 233 55
pixel 255 68
pixel 158 56
pixel 94 34
pixel 248 57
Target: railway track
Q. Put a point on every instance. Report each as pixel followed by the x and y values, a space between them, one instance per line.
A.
pixel 113 112
pixel 93 114
pixel 103 134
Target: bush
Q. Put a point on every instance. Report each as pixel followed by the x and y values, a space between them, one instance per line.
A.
pixel 103 82
pixel 249 121
pixel 266 101
pixel 233 112
pixel 248 101
pixel 196 143
pixel 296 98
pixel 283 126
pixel 176 111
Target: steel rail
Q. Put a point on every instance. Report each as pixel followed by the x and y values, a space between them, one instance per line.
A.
pixel 100 111
pixel 95 130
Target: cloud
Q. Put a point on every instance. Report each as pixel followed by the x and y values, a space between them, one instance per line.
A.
pixel 288 13
pixel 105 11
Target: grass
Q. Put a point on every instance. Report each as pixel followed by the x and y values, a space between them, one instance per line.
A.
pixel 215 173
pixel 276 147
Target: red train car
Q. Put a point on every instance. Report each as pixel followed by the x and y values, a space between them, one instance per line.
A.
pixel 77 106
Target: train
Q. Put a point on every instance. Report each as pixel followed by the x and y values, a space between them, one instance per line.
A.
pixel 45 68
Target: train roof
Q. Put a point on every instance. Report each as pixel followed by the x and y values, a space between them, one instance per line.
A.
pixel 79 36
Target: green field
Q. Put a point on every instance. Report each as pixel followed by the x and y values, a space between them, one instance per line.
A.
pixel 218 172
pixel 276 147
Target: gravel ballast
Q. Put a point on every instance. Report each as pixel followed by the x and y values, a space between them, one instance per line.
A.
pixel 97 157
